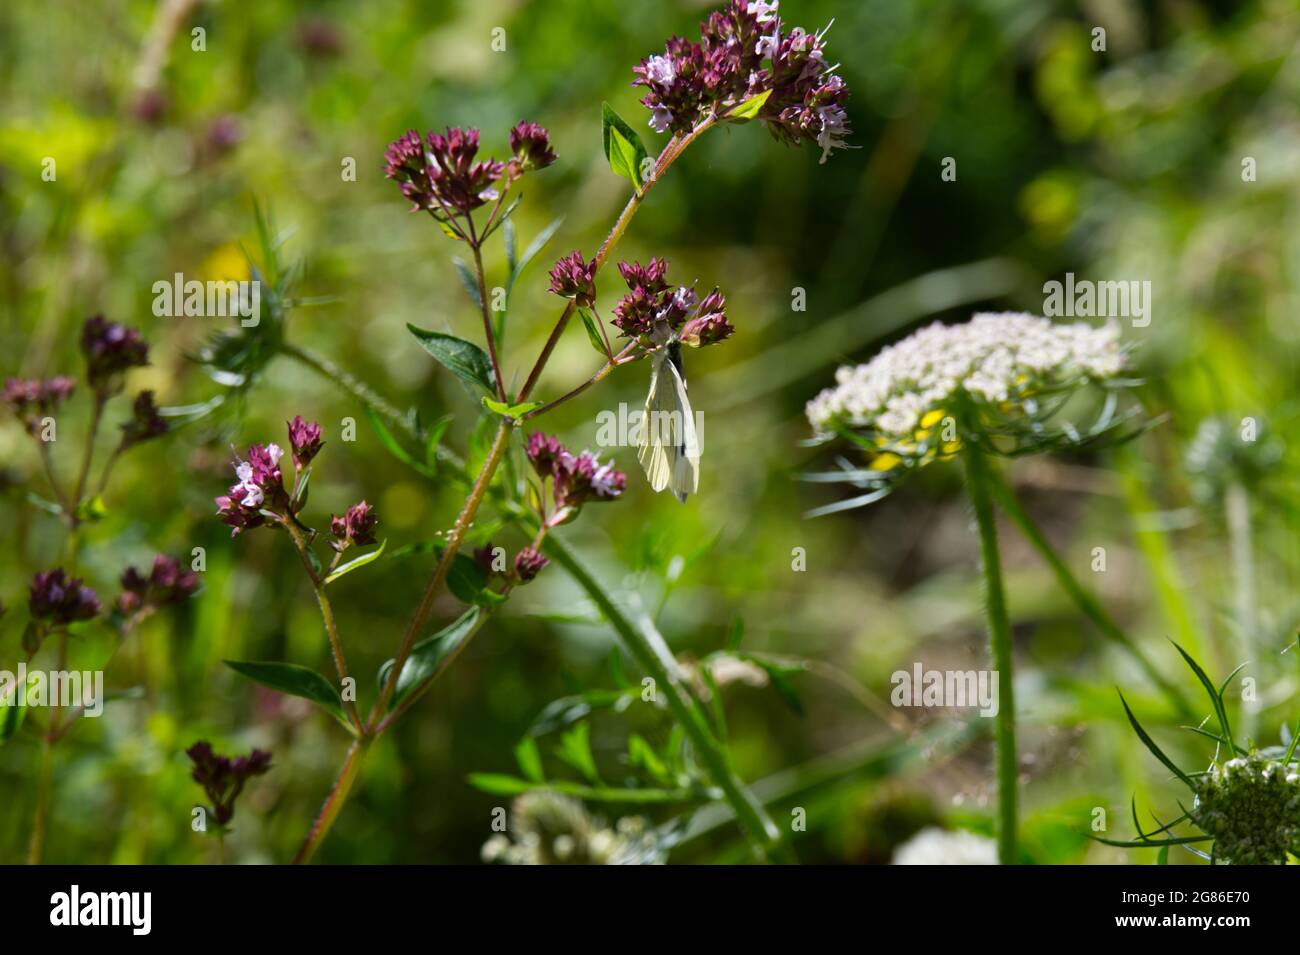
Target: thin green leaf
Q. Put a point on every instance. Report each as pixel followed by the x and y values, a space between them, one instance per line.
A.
pixel 749 109
pixel 508 410
pixel 296 681
pixel 1216 698
pixel 499 784
pixel 591 323
pixel 1151 745
pixel 393 446
pixel 427 656
pixel 529 758
pixel 575 749
pixel 463 359
pixel 433 439
pixel 531 252
pixel 356 562
pixel 467 280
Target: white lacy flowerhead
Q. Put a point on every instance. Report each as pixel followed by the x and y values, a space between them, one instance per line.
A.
pixel 995 358
pixel 934 846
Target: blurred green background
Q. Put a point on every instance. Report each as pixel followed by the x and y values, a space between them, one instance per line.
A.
pixel 1122 164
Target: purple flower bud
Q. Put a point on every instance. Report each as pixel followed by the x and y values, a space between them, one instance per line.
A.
pixel 574 278
pixel 710 324
pixel 528 564
pixel 222 778
pixel 30 400
pixel 110 349
pixel 457 180
pixel 146 423
pixel 57 599
pixel 166 584
pixel 304 439
pixel 531 145
pixel 485 557
pixel 355 527
pixel 649 277
pixel 543 452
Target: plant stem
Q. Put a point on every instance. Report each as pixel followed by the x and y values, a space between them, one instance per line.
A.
pixel 334 801
pixel 619 359
pixel 327 615
pixel 96 415
pixel 425 608
pixel 1236 503
pixel 45 779
pixel 675 147
pixel 648 648
pixel 488 333
pixel 1085 601
pixel 979 479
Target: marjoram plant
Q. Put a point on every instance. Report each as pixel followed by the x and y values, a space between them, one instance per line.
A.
pixel 745 67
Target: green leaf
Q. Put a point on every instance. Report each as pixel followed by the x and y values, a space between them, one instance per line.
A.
pixel 467 280
pixel 48 506
pixel 355 562
pixel 91 510
pixel 296 681
pixel 590 323
pixel 530 253
pixel 508 410
pixel 427 655
pixel 623 147
pixel 1216 697
pixel 529 759
pixel 749 109
pixel 13 712
pixel 394 447
pixel 1150 744
pixel 463 359
pixel 499 784
pixel 510 238
pixel 1162 857
pixel 433 440
pixel 575 749
pixel 641 754
pixel 736 635
pixel 467 582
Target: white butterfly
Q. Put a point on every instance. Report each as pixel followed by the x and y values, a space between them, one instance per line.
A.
pixel 670 446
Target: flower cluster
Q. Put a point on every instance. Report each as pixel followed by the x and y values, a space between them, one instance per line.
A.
pixel 356 527
pixel 111 350
pixel 575 478
pixel 166 583
pixel 260 489
pixel 223 778
pixel 31 400
pixel 58 599
pixel 573 277
pixel 553 829
pixel 441 174
pixel 1251 806
pixel 656 311
pixel 742 54
pixel 1001 363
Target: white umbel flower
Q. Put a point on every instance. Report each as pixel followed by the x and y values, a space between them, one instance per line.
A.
pixel 935 846
pixel 995 359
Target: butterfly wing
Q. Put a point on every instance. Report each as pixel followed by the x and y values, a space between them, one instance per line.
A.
pixel 670 446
